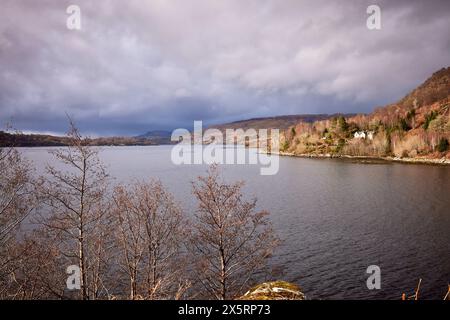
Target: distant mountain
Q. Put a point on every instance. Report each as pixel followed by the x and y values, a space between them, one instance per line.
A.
pixel 156 134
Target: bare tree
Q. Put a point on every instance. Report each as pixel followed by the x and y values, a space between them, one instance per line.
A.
pixel 16 203
pixel 231 242
pixel 149 232
pixel 34 269
pixel 15 192
pixel 75 196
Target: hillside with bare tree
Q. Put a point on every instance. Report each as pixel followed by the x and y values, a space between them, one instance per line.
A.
pixel 416 127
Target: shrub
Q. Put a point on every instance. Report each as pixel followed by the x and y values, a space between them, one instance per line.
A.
pixel 403 125
pixel 340 146
pixel 443 145
pixel 408 144
pixel 342 124
pixel 285 146
pixel 411 114
pixel 438 124
pixel 388 145
pixel 353 127
pixel 428 118
pixel 293 133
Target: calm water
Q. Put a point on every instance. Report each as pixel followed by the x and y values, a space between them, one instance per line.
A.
pixel 336 217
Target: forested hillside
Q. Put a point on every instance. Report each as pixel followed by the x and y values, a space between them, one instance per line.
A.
pixel 417 126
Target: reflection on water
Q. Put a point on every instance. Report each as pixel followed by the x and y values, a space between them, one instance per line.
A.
pixel 336 217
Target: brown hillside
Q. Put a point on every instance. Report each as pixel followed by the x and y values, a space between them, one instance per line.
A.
pixel 417 126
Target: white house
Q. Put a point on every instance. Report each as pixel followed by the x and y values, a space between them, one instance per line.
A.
pixel 363 135
pixel 360 135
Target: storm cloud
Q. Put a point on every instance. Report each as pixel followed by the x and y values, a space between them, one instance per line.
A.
pixel 140 65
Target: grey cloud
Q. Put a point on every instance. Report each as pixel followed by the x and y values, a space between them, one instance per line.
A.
pixel 141 65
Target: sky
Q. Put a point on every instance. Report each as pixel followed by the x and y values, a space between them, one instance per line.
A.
pixel 138 65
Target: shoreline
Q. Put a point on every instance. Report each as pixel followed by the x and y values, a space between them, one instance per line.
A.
pixel 369 159
pixel 363 159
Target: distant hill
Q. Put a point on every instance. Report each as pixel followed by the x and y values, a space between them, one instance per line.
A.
pixel 156 134
pixel 30 140
pixel 275 122
pixel 40 140
pixel 434 89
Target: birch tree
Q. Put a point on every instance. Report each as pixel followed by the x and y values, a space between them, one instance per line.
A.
pixel 16 196
pixel 150 230
pixel 230 241
pixel 16 203
pixel 34 269
pixel 74 191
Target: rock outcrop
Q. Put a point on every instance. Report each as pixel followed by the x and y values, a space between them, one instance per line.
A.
pixel 276 290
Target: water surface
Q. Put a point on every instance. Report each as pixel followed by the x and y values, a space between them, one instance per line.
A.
pixel 336 217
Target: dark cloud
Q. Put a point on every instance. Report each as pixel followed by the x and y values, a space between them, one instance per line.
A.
pixel 140 65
